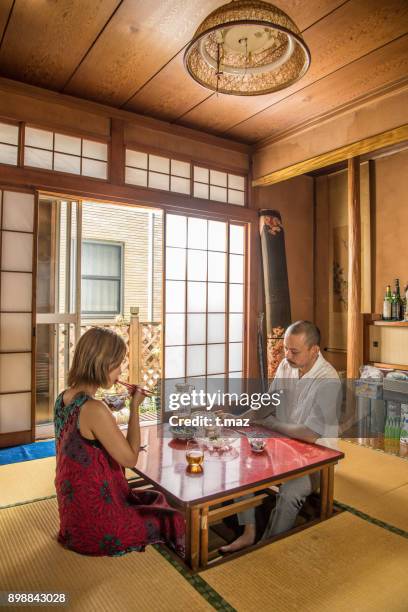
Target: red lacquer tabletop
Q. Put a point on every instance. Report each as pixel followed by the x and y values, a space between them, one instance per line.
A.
pixel 164 464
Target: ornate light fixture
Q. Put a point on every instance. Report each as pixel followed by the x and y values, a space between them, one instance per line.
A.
pixel 247 48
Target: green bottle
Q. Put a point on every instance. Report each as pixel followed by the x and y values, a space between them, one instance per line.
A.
pixel 387 304
pixel 399 300
pixel 395 307
pixel 404 311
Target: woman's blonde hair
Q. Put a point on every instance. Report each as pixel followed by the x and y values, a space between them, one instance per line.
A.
pixel 98 351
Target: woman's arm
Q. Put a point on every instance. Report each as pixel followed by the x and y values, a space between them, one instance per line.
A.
pixel 96 419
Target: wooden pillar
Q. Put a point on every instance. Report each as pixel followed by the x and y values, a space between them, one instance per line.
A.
pixel 134 345
pixel 354 316
pixel 117 152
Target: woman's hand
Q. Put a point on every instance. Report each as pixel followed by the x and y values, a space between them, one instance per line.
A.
pixel 137 398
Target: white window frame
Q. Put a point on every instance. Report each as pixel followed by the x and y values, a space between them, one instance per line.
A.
pixel 105 314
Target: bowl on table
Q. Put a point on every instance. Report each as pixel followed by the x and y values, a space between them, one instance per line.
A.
pixel 183 432
pixel 115 401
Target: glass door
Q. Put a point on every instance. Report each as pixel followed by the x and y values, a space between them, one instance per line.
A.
pixel 58 301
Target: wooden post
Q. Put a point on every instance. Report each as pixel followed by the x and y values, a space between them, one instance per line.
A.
pixel 324 491
pixel 354 316
pixel 117 152
pixel 134 345
pixel 204 538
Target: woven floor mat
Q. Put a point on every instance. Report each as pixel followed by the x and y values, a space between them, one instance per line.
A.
pixel 343 564
pixel 375 483
pixel 32 560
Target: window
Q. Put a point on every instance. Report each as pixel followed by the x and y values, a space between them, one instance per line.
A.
pixel 204 298
pixel 219 186
pixel 8 144
pixel 102 278
pixel 157 172
pixel 53 151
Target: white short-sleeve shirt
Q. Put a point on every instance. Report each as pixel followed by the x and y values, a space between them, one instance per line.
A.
pixel 312 400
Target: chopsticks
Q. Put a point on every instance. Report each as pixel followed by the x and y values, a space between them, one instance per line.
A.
pixel 136 388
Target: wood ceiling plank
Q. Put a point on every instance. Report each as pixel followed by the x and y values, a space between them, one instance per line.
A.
pixel 45 41
pixel 141 38
pixel 304 14
pixel 170 92
pixel 368 74
pixel 353 30
pixel 5 7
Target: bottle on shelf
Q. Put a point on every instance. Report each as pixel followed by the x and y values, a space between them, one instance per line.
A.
pixel 392 428
pixel 396 302
pixel 404 424
pixel 387 304
pixel 399 300
pixel 395 307
pixel 405 303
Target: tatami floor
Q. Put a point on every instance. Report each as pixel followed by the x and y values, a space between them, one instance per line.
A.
pixel 356 560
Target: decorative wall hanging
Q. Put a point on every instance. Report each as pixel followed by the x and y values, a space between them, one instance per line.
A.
pixel 276 286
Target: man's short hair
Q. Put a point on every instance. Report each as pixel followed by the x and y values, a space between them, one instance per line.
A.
pixel 309 329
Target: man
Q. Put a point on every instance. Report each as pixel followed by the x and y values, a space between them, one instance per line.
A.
pixel 311 395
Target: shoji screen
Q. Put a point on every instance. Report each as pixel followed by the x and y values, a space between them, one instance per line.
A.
pixel 16 315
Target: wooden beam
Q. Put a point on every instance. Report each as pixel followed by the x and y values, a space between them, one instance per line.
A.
pixel 354 316
pixel 74 186
pixel 366 145
pixel 10 86
pixel 117 152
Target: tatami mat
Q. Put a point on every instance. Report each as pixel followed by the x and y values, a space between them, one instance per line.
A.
pixel 373 482
pixel 32 560
pixel 340 565
pixel 20 482
pixel 392 508
pixel 28 480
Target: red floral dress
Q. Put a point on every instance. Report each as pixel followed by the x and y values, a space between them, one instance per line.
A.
pixel 99 513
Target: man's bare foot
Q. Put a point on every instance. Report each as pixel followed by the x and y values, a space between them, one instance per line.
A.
pixel 244 540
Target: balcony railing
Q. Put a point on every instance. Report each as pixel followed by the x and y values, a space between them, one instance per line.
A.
pixel 142 364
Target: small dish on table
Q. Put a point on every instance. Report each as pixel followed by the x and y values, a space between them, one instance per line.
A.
pixel 257 444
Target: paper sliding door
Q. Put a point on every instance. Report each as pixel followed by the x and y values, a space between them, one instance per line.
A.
pixel 17 343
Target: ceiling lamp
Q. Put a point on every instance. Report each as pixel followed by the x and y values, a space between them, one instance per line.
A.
pixel 247 48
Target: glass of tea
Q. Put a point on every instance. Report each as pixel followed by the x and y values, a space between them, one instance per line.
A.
pixel 194 456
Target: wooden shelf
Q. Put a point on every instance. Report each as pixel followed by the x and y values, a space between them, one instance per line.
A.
pixel 391 323
pixel 392 366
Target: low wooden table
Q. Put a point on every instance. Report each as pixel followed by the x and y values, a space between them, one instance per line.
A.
pixel 199 496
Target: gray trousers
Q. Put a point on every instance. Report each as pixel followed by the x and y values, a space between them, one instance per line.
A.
pixel 289 500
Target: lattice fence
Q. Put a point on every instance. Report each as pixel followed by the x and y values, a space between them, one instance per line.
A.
pixel 149 350
pixel 150 342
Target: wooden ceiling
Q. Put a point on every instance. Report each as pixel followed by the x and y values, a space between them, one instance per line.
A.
pixel 129 54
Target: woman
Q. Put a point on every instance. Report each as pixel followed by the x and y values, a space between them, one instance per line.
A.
pixel 99 513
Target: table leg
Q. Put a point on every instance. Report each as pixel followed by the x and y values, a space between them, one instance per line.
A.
pixel 193 537
pixel 324 489
pixel 204 538
pixel 330 491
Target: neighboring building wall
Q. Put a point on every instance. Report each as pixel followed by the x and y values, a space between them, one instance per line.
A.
pixel 157 266
pixel 129 225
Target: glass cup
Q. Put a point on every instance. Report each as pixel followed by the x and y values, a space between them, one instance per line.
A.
pixel 194 456
pixel 257 444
